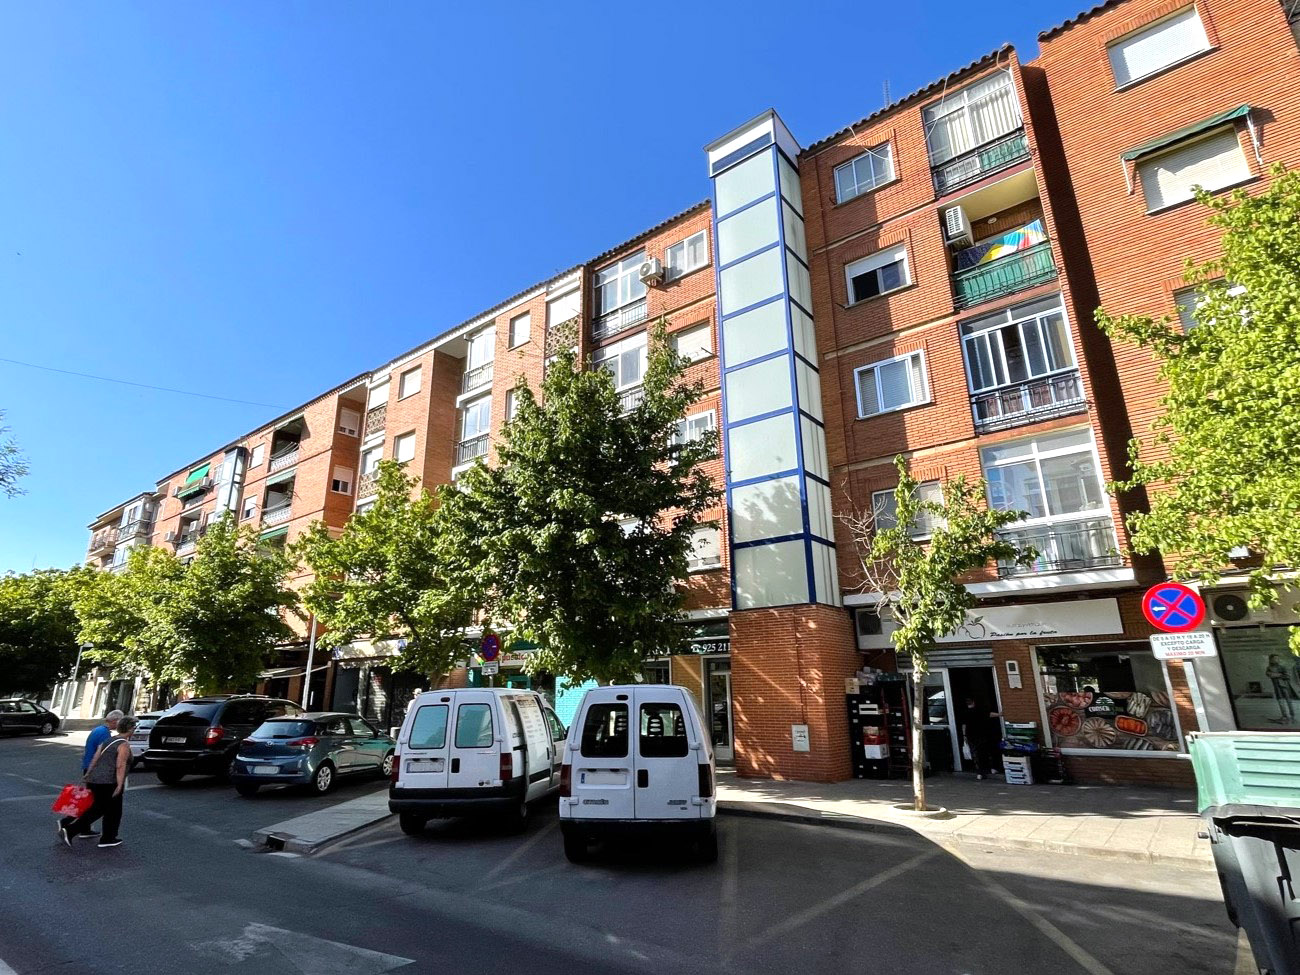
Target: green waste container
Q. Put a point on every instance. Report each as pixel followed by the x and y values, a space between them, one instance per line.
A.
pixel 1248 792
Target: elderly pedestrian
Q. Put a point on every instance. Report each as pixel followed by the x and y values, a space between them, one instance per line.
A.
pixel 106 778
pixel 98 737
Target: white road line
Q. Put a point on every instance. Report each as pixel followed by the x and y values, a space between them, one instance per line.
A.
pixel 42 795
pixel 523 876
pixel 1245 961
pixel 519 851
pixel 843 897
pixel 5 969
pixel 1045 927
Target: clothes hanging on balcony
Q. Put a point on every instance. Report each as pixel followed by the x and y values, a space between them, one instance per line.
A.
pixel 987 251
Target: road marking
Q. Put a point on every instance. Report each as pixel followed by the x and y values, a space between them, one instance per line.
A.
pixel 5 969
pixel 42 795
pixel 1245 962
pixel 843 897
pixel 524 876
pixel 1045 927
pixel 309 954
pixel 519 851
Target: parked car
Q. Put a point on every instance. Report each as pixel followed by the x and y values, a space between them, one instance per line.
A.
pixel 19 716
pixel 474 750
pixel 139 740
pixel 201 736
pixel 314 748
pixel 638 761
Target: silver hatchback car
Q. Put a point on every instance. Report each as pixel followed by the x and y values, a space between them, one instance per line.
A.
pixel 311 749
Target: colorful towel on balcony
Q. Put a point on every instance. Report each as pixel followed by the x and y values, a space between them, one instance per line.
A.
pixel 987 251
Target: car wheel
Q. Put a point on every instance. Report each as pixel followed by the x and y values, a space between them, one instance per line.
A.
pixel 47 728
pixel 412 825
pixel 707 849
pixel 575 849
pixel 386 767
pixel 247 789
pixel 323 780
pixel 517 817
pixel 169 777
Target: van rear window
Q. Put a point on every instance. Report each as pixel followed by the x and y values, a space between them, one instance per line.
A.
pixel 429 729
pixel 604 731
pixel 473 726
pixel 663 731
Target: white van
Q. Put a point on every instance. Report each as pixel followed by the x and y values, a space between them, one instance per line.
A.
pixel 637 760
pixel 470 750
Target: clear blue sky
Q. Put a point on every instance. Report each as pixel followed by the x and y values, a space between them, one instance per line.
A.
pixel 260 199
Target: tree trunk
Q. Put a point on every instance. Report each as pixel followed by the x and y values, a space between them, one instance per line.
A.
pixel 918 737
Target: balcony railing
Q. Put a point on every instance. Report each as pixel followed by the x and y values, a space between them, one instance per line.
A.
pixel 277 515
pixel 472 449
pixel 375 418
pixel 367 484
pixel 103 539
pixel 1005 276
pixel 611 323
pixel 141 526
pixel 283 458
pixel 1065 547
pixel 630 399
pixel 476 378
pixel 1038 399
pixel 978 163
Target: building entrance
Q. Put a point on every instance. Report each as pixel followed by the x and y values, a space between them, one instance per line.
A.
pixel 717 704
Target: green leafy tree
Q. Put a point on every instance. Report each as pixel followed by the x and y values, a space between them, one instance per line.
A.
pixel 13 464
pixel 918 583
pixel 382 577
pixel 122 616
pixel 38 628
pixel 1224 465
pixel 578 537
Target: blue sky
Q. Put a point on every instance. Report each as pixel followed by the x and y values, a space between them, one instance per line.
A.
pixel 257 200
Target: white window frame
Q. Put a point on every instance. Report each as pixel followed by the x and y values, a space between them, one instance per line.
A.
pixel 370 458
pixel 249 509
pixel 481 406
pixel 341 481
pixel 919 397
pixel 628 288
pixel 1237 177
pixel 399 442
pixel 990 336
pixel 615 352
pixel 691 428
pixel 696 563
pixel 1038 456
pixel 377 395
pixel 958 103
pixel 258 455
pixel 510 405
pixel 676 267
pixel 894 254
pixel 480 348
pixel 349 429
pixel 1148 31
pixel 872 158
pixel 884 507
pixel 404 382
pixel 520 329
pixel 1187 300
pixel 704 350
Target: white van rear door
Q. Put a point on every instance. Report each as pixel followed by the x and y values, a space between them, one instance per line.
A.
pixel 423 747
pixel 667 765
pixel 602 767
pixel 476 741
pixel 537 744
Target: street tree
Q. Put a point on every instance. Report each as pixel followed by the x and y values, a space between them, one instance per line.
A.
pixel 917 584
pixel 122 617
pixel 38 628
pixel 13 463
pixel 382 577
pixel 579 536
pixel 1223 465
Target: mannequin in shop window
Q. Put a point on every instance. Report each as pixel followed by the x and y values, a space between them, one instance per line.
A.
pixel 977 726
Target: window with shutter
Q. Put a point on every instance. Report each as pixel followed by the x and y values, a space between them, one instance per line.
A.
pixel 1158 46
pixel 1211 163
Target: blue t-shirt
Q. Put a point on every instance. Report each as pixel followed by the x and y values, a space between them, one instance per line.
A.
pixel 98 736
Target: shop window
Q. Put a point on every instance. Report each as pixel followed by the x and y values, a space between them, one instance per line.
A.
pixel 663 731
pixel 1263 677
pixel 1107 697
pixel 656 672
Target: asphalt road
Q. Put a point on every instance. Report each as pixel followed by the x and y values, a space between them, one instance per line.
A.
pixel 181 896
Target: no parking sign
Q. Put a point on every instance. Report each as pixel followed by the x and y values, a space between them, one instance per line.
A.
pixel 1173 607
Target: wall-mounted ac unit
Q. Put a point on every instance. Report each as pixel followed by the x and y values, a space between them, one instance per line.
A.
pixel 169 537
pixel 1229 608
pixel 651 271
pixel 956 228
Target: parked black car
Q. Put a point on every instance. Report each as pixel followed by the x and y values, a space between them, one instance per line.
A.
pixel 201 736
pixel 19 716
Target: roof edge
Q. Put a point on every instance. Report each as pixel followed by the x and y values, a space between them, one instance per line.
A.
pixel 1079 18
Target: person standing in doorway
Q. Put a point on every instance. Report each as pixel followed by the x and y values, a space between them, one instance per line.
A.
pixel 106 778
pixel 99 736
pixel 976 723
pixel 1283 692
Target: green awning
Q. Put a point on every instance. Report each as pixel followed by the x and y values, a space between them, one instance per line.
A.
pixel 198 474
pixel 281 477
pixel 273 533
pixel 1185 133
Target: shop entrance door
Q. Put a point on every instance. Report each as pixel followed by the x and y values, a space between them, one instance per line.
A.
pixel 980 684
pixel 942 749
pixel 717 705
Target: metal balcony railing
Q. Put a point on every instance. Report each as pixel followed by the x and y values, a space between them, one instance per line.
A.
pixel 630 399
pixel 103 539
pixel 1005 276
pixel 978 163
pixel 476 378
pixel 611 323
pixel 1037 399
pixel 375 418
pixel 141 526
pixel 277 515
pixel 1065 547
pixel 367 484
pixel 283 458
pixel 472 449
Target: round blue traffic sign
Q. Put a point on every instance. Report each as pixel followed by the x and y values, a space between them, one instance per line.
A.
pixel 1173 607
pixel 490 647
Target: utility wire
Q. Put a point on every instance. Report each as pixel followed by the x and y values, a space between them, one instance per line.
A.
pixel 127 382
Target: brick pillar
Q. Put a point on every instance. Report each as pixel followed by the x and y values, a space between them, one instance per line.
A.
pixel 788 666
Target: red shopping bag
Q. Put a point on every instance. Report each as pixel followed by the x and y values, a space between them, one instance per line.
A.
pixel 74 800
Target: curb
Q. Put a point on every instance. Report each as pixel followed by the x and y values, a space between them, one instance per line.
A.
pixel 276 841
pixel 808 817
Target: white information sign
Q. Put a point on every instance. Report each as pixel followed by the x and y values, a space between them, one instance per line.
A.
pixel 491 667
pixel 1181 646
pixel 799 738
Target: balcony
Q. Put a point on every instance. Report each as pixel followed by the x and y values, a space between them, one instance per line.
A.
pixel 192 488
pixel 476 378
pixel 970 167
pixel 472 449
pixel 277 515
pixel 283 458
pixel 1038 399
pixel 375 418
pixel 1005 276
pixel 135 529
pixel 630 399
pixel 103 540
pixel 367 484
pixel 611 323
pixel 1065 547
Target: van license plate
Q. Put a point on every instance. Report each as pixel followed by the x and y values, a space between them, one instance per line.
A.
pixel 424 764
pixel 602 776
pixel 265 769
pixel 174 741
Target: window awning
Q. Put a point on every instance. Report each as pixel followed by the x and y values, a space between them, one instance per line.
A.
pixel 274 672
pixel 281 477
pixel 1186 132
pixel 198 473
pixel 273 533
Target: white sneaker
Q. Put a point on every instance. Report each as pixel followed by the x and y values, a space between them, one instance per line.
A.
pixel 63 835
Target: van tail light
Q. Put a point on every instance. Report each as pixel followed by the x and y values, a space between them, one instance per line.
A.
pixel 397 769
pixel 706 781
pixel 308 742
pixel 566 780
pixel 507 766
pixel 215 734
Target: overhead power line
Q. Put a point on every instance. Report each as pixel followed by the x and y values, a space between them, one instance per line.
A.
pixel 127 382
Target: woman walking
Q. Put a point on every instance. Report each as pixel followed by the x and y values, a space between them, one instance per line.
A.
pixel 106 778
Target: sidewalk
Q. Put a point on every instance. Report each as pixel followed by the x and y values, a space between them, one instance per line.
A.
pixel 1114 822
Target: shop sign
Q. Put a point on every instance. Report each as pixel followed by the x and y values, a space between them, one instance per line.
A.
pixel 1084 617
pixel 711 646
pixel 1181 646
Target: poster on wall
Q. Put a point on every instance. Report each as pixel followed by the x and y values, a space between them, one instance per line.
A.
pixel 1108 697
pixel 1263 677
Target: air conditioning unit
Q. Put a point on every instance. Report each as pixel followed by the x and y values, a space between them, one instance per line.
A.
pixel 1228 608
pixel 652 271
pixel 956 227
pixel 169 537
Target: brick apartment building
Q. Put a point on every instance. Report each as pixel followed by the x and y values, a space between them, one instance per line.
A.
pixel 920 283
